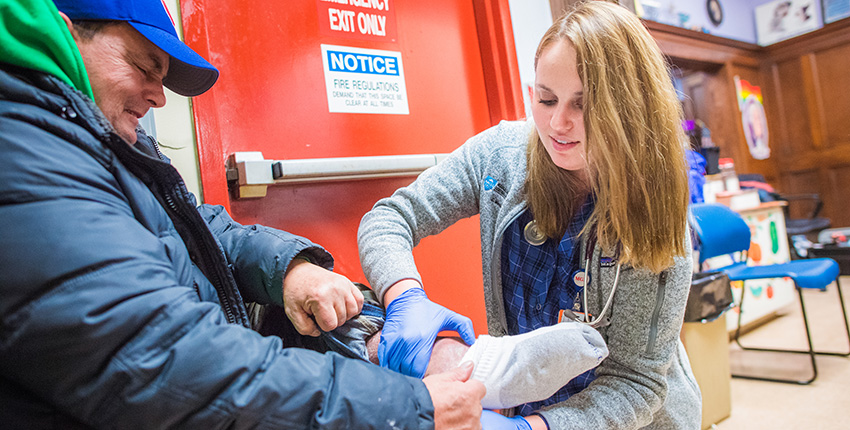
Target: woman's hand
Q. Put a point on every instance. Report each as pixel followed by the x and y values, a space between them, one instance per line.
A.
pixel 411 328
pixel 493 421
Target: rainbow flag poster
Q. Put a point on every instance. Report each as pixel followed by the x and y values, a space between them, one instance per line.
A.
pixel 753 118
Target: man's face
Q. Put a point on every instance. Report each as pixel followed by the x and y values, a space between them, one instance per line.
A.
pixel 125 70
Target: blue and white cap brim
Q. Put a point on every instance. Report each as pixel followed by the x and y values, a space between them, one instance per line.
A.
pixel 189 74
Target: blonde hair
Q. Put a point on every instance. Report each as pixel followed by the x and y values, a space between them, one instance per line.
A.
pixel 635 145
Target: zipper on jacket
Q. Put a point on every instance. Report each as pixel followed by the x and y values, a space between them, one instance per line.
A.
pixel 656 313
pixel 156 147
pixel 226 303
pixel 225 300
pixel 165 187
pixel 219 280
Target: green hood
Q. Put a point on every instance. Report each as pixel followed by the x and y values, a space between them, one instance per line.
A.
pixel 33 35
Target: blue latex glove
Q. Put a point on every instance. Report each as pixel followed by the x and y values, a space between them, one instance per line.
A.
pixel 411 328
pixel 493 421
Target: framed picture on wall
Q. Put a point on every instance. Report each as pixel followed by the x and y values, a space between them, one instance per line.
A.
pixel 782 19
pixel 833 10
pixel 715 11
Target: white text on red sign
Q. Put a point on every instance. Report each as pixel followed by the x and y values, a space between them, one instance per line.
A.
pixel 350 21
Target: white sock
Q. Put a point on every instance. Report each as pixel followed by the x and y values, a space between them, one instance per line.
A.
pixel 532 366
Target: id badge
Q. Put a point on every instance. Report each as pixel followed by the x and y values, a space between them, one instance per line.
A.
pixel 572 315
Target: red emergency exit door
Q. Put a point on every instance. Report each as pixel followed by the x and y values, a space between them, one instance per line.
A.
pixel 460 76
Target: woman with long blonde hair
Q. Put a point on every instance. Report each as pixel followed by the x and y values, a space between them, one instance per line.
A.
pixel 583 218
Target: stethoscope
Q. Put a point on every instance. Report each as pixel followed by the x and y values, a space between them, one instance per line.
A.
pixel 534 237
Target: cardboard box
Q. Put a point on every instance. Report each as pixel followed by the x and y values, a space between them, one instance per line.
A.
pixel 708 350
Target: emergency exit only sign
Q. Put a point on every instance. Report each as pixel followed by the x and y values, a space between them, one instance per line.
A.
pixel 358 19
pixel 361 80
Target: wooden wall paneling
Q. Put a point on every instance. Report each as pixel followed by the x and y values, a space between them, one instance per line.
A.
pixel 801 182
pixel 777 111
pixel 833 166
pixel 829 158
pixel 716 106
pixel 773 99
pixel 830 194
pixel 687 47
pixel 832 66
pixel 814 105
pixel 727 119
pixel 720 118
pixel 838 207
pixel 811 77
pixel 790 91
pixel 695 85
pixel 804 82
pixel 797 137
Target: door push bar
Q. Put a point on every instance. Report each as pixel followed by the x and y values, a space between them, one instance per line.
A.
pixel 249 174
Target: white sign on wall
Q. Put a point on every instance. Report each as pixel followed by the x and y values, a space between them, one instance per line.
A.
pixel 364 80
pixel 783 19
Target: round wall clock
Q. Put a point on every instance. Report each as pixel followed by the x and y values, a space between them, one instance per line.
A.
pixel 715 11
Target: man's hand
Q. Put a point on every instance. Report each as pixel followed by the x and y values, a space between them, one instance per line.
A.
pixel 313 292
pixel 456 398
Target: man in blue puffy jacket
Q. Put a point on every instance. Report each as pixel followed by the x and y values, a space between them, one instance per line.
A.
pixel 122 303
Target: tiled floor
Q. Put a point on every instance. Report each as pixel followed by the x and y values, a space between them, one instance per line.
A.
pixel 824 404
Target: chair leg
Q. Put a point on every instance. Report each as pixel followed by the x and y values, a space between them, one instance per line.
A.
pixel 740 314
pixel 811 351
pixel 846 325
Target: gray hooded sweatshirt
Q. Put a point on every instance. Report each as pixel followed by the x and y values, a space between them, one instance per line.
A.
pixel 646 381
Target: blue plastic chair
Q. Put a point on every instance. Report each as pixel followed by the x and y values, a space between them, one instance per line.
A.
pixel 721 231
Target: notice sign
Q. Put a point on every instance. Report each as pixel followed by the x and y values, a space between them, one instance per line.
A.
pixel 358 19
pixel 364 80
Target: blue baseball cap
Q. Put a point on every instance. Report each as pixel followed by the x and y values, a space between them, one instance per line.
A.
pixel 189 74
